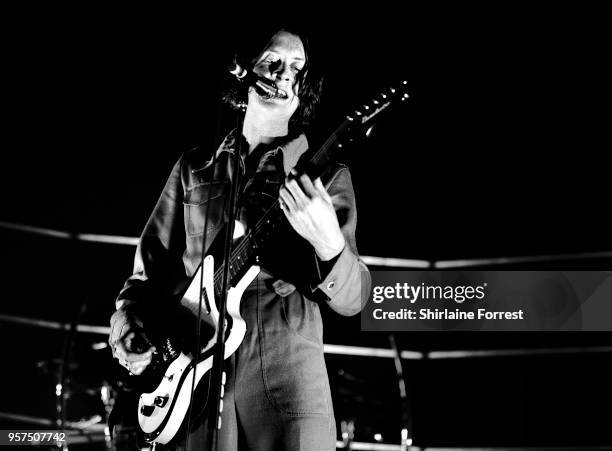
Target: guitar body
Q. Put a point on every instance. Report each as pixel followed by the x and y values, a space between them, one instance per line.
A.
pixel 161 412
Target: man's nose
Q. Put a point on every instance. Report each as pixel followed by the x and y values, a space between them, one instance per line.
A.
pixel 282 72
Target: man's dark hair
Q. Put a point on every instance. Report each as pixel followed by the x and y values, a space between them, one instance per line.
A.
pixel 310 79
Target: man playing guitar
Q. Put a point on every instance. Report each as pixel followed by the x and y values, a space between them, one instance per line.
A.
pixel 277 393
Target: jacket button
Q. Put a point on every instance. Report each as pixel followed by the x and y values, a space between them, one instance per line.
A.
pixel 331 285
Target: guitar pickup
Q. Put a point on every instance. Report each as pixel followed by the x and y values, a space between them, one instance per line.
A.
pixel 160 401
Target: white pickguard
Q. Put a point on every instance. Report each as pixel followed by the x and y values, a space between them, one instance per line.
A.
pixel 171 386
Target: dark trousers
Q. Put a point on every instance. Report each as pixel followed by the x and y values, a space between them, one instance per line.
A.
pixel 277 393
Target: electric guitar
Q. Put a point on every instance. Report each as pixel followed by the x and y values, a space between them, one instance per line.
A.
pixel 162 411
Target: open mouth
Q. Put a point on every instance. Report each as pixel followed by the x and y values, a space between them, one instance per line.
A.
pixel 269 91
pixel 281 94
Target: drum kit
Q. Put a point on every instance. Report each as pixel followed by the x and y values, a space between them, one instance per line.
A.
pixel 83 405
pixel 84 387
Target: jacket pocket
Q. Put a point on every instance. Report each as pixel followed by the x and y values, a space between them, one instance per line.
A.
pixel 204 199
pixel 293 365
pixel 302 317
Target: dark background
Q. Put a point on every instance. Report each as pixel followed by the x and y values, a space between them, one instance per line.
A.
pixel 499 152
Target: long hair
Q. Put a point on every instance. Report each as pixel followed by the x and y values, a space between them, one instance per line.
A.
pixel 310 78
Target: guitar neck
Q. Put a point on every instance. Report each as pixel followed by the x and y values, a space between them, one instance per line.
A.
pixel 246 251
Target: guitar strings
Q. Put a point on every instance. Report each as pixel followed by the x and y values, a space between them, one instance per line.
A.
pixel 314 160
pixel 265 217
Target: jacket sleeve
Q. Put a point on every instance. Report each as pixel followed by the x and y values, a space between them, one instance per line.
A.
pixel 158 266
pixel 347 284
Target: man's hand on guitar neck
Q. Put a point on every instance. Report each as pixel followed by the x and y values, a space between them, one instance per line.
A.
pixel 130 344
pixel 311 213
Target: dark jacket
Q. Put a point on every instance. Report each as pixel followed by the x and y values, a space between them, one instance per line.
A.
pixel 288 329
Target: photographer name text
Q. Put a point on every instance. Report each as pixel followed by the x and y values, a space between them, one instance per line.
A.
pixel 393 295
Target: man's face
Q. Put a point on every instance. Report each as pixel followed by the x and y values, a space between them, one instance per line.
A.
pixel 280 62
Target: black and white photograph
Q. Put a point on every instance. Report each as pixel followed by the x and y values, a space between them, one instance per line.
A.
pixel 300 227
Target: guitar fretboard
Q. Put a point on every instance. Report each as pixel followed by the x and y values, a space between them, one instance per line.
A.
pixel 243 254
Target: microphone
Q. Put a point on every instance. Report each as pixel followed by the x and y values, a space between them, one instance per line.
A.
pixel 250 79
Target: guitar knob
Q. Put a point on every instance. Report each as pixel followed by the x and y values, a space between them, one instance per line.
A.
pixel 147 411
pixel 160 401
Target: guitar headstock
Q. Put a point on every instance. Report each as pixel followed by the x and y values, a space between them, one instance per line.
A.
pixel 362 118
pixel 379 103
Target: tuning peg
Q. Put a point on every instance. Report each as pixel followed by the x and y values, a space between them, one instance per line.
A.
pixel 350 118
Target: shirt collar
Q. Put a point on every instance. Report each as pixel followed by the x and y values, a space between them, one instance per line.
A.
pixel 292 149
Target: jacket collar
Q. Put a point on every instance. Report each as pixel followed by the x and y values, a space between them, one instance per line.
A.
pixel 291 147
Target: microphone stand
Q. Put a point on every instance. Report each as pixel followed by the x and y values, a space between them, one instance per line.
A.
pixel 406 422
pixel 218 376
